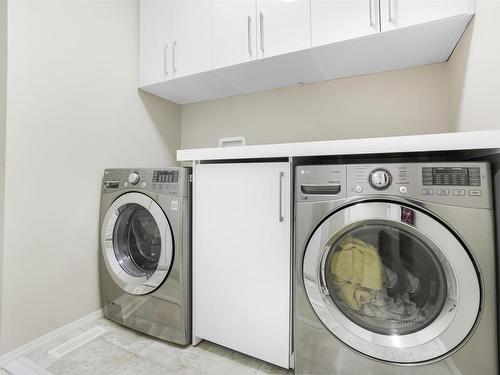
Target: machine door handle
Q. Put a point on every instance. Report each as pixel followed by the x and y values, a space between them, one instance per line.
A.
pixel 320 189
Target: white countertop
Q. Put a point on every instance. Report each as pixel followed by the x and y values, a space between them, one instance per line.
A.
pixel 414 143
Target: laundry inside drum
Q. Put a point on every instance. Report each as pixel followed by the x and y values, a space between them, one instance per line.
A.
pixel 386 279
pixel 137 241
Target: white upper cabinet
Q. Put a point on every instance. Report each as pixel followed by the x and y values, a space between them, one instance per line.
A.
pixel 155 41
pixel 400 13
pixel 234 32
pixel 195 50
pixel 337 20
pixel 192 43
pixel 175 39
pixel 283 26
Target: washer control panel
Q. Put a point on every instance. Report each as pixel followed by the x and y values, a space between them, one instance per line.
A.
pixel 458 184
pixel 169 181
pixel 466 184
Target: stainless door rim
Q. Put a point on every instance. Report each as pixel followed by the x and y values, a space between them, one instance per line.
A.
pixel 132 284
pixel 451 327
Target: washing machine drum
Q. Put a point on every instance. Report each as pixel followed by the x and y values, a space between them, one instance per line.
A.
pixel 137 243
pixel 392 282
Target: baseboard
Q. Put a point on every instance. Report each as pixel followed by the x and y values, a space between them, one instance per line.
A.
pixel 13 354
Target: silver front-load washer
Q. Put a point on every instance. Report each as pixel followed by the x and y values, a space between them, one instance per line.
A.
pixel 394 270
pixel 145 262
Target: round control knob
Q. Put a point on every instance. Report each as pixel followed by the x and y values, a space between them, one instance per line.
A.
pixel 133 178
pixel 380 179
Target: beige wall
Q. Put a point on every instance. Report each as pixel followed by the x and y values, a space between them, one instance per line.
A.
pixel 461 95
pixel 411 101
pixel 474 72
pixel 73 110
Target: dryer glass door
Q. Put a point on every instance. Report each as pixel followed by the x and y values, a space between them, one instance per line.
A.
pixel 392 282
pixel 137 243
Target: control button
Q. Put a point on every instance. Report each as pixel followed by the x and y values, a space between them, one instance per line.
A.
pixel 380 179
pixel 133 178
pixel 459 193
pixel 358 189
pixel 475 193
pixel 443 192
pixel 427 192
pixel 125 184
pixel 403 189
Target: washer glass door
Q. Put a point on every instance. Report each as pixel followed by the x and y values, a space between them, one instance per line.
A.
pixel 137 243
pixel 385 279
pixel 391 282
pixel 137 240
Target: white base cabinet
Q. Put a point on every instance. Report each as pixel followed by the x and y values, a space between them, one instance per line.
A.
pixel 242 258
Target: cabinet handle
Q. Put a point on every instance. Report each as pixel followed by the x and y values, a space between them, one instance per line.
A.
pixel 249 31
pixel 281 217
pixel 389 11
pixel 174 68
pixel 165 59
pixel 262 31
pixel 370 13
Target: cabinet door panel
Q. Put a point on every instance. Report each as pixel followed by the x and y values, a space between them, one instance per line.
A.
pixel 337 20
pixel 241 258
pixel 401 13
pixel 192 44
pixel 234 32
pixel 155 41
pixel 283 26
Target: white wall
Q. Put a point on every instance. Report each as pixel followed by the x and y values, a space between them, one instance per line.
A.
pixel 73 110
pixel 411 101
pixel 474 72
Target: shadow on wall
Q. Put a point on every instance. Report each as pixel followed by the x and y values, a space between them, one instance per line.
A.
pixel 160 109
pixel 166 117
pixel 458 66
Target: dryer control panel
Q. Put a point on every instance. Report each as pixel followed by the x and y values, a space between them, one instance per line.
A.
pixel 169 181
pixel 466 184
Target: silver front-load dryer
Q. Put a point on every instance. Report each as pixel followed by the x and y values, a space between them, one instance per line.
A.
pixel 145 260
pixel 394 270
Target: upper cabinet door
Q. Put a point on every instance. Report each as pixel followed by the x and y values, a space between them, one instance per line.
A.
pixel 401 13
pixel 155 41
pixel 283 26
pixel 337 20
pixel 192 42
pixel 234 32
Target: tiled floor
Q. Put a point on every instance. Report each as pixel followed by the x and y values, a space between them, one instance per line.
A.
pixel 122 351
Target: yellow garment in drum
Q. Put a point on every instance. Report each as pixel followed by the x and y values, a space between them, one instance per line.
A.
pixel 357 272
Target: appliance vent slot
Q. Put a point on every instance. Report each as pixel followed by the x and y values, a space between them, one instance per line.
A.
pixel 76 342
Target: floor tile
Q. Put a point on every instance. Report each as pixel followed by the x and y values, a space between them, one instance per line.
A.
pixel 41 355
pixel 122 351
pixel 94 358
